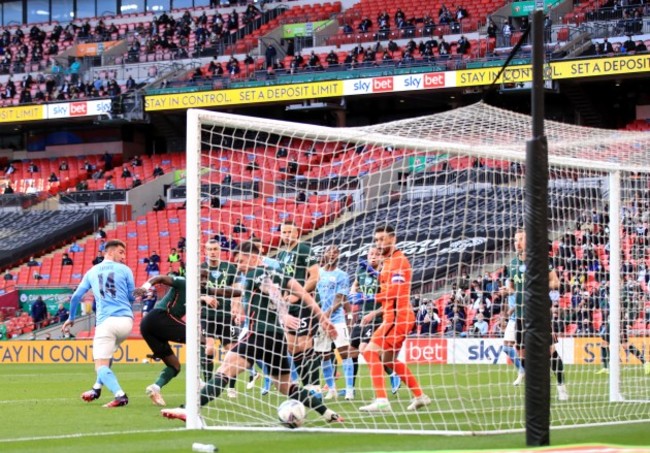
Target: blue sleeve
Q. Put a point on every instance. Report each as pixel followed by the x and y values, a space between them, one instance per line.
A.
pixel 343 284
pixel 130 283
pixel 75 300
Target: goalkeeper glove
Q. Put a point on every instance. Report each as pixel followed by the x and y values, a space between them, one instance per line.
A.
pixel 365 265
pixel 356 298
pixel 272 264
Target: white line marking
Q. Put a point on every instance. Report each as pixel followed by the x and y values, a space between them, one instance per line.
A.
pixel 80 435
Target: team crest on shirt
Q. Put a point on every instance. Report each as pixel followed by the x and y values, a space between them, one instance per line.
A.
pixel 522 268
pixel 398 277
pixel 215 274
pixel 368 281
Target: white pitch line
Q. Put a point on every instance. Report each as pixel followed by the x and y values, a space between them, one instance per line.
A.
pixel 80 435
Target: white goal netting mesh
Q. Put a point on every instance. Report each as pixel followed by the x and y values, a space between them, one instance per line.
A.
pixel 452 187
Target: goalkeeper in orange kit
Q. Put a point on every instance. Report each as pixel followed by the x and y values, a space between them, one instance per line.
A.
pixel 398 320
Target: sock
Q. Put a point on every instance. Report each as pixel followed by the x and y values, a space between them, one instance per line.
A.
pixel 388 370
pixel 355 364
pixel 313 365
pixel 312 401
pixel 267 380
pixel 636 352
pixel 232 383
pixel 510 352
pixel 405 375
pixel 105 375
pixel 557 365
pixel 213 388
pixel 376 373
pixel 167 374
pixel 251 373
pixel 604 356
pixel 328 373
pixel 295 377
pixel 98 384
pixel 348 372
pixel 207 364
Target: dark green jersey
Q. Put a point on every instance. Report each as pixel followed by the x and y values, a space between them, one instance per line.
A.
pixel 262 310
pixel 368 285
pixel 295 264
pixel 220 277
pixel 517 275
pixel 174 301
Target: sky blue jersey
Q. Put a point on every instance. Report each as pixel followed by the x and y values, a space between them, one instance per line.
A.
pixel 330 284
pixel 112 285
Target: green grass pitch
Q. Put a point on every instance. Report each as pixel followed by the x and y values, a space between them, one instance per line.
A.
pixel 42 412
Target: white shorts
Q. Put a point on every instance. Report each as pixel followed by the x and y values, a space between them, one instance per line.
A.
pixel 511 331
pixel 109 335
pixel 323 342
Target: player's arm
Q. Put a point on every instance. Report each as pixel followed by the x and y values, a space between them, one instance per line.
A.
pixel 399 283
pixel 130 284
pixel 226 291
pixel 312 278
pixel 553 280
pixel 298 290
pixel 367 318
pixel 75 300
pixel 236 305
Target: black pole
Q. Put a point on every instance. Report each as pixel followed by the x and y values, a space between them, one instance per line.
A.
pixel 537 307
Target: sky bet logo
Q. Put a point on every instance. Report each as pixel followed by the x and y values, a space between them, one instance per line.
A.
pixel 481 352
pixel 434 80
pixel 78 109
pixel 382 84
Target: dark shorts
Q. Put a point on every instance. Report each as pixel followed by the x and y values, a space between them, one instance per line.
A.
pixel 223 329
pixel 268 348
pixel 158 328
pixel 308 323
pixel 520 332
pixel 361 334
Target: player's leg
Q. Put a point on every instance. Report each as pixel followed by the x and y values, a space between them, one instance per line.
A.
pixel 375 366
pixel 342 344
pixel 509 340
pixel 393 345
pixel 108 337
pixel 557 365
pixel 604 349
pixel 158 329
pixel 275 356
pixel 301 347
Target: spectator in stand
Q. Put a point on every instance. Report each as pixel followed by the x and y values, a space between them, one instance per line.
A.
pixel 108 185
pixel 629 45
pixel 81 186
pixel 98 259
pixel 8 276
pixel 32 262
pixel 173 257
pixel 136 182
pixel 480 326
pixel 152 269
pixel 443 47
pixel 53 178
pixel 66 260
pixel 8 190
pixel 159 204
pixel 605 47
pixel 136 161
pixel 63 166
pixel 149 301
pixel 88 167
pixel 347 29
pixel 32 167
pixel 456 317
pixel 239 227
pixel 270 55
pixel 75 248
pixel 39 312
pixel 130 84
pixel 365 25
pixel 3 329
pixel 107 158
pixel 506 34
pixel 181 244
pixel 428 318
pixel 10 169
pixel 462 45
pixel 158 171
pixel 62 314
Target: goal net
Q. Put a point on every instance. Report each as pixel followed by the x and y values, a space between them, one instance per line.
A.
pixel 452 187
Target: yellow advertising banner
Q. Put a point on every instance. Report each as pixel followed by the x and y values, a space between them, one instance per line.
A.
pixel 573 69
pixel 239 96
pixel 74 351
pixel 22 113
pixel 587 350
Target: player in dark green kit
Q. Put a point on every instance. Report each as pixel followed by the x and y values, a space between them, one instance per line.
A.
pixel 265 341
pixel 217 322
pixel 297 261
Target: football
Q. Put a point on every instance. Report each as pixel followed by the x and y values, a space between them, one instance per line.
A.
pixel 292 413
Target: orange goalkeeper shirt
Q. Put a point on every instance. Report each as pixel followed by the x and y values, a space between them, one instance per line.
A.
pixel 395 290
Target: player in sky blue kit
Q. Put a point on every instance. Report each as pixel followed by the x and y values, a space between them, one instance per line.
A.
pixel 333 289
pixel 111 282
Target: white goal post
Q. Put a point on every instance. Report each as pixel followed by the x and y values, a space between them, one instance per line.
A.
pixel 452 186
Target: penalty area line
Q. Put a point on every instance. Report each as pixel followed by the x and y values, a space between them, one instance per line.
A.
pixel 81 435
